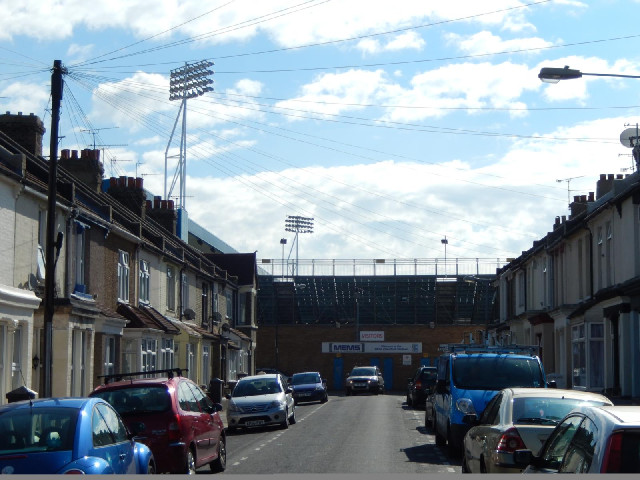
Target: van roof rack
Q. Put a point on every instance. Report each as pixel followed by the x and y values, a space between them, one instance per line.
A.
pixel 121 376
pixel 533 350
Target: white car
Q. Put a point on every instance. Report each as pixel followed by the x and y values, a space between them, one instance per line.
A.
pixel 518 418
pixel 261 400
pixel 590 440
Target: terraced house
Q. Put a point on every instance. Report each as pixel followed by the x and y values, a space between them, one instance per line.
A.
pixel 130 294
pixel 576 292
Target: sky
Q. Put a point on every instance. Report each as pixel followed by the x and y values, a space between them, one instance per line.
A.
pixel 393 125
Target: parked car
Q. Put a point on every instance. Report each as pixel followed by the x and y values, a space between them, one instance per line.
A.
pixel 286 376
pixel 364 380
pixel 589 440
pixel 68 435
pixel 469 376
pixel 429 410
pixel 518 418
pixel 420 385
pixel 309 387
pixel 261 400
pixel 173 416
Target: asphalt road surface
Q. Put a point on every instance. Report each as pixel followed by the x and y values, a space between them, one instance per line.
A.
pixel 362 434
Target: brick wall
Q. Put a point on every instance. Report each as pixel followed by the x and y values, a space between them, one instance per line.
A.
pixel 300 348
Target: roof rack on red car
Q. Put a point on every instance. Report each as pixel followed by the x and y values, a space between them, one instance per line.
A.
pixel 121 376
pixel 532 350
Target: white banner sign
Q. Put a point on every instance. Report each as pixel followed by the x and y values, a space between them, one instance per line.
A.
pixel 372 336
pixel 393 347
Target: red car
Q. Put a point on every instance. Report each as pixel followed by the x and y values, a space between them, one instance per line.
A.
pixel 172 416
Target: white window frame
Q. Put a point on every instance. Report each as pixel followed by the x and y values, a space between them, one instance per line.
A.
pixel 168 353
pixel 78 386
pixel 579 368
pixel 184 293
pixel 149 354
pixel 3 360
pixel 595 355
pixel 229 302
pixel 130 356
pixel 80 248
pixel 144 280
pixel 205 305
pixel 206 363
pixel 109 359
pixel 190 359
pixel 123 276
pixel 171 288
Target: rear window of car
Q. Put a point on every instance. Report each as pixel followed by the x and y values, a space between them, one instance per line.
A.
pixel 546 411
pixel 302 378
pixel 630 452
pixel 429 376
pixel 496 372
pixel 38 430
pixel 137 399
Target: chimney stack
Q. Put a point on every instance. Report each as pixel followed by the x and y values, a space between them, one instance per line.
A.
pixel 129 192
pixel 604 185
pixel 163 212
pixel 88 168
pixel 25 130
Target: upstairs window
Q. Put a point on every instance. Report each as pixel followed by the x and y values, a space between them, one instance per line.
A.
pixel 144 282
pixel 123 276
pixel 171 288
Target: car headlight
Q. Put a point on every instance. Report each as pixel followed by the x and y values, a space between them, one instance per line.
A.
pixel 349 381
pixel 319 387
pixel 233 407
pixel 465 405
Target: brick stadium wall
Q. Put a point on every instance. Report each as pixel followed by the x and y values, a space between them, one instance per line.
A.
pixel 300 348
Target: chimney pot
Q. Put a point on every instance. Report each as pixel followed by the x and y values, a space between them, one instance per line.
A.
pixel 74 154
pixel 591 197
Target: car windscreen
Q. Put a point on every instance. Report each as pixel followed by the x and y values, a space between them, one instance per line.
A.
pixel 305 378
pixel 546 410
pixel 37 430
pixel 429 376
pixel 363 371
pixel 137 399
pixel 496 372
pixel 258 386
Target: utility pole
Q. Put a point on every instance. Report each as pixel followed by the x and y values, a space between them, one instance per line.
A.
pixel 57 86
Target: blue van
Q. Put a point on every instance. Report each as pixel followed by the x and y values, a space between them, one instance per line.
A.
pixel 469 376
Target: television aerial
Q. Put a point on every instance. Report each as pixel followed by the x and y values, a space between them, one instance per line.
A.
pixel 630 138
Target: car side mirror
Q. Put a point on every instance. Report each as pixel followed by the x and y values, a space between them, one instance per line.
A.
pixel 289 390
pixel 552 384
pixel 522 458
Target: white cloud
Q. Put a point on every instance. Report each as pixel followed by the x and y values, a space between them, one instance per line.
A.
pixel 486 42
pixel 406 41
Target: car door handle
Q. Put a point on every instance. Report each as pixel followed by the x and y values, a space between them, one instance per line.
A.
pixel 123 456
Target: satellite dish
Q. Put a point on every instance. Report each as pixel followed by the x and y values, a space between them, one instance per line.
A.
pixel 629 138
pixel 189 314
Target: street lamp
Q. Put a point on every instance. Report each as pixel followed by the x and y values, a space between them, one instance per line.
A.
pixel 475 280
pixel 445 242
pixel 554 75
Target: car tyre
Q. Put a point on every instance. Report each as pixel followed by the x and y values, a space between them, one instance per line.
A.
pixel 190 463
pixel 409 401
pixel 325 398
pixel 151 467
pixel 285 424
pixel 454 450
pixel 441 441
pixel 220 463
pixel 347 393
pixel 292 418
pixel 465 468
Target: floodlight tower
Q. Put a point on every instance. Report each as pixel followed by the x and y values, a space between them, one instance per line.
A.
pixel 185 82
pixel 297 224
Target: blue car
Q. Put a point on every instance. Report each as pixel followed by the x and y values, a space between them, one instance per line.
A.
pixel 309 387
pixel 68 435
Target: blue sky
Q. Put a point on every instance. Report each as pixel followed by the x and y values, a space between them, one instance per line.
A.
pixel 392 124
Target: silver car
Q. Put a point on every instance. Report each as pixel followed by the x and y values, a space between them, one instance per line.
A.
pixel 261 400
pixel 589 440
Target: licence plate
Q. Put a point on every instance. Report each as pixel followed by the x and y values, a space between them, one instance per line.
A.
pixel 304 394
pixel 359 385
pixel 253 423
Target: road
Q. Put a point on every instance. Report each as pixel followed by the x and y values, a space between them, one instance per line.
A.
pixel 364 434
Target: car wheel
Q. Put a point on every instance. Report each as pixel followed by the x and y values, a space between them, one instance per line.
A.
pixel 408 401
pixel 454 450
pixel 151 467
pixel 220 463
pixel 292 419
pixel 483 467
pixel 325 398
pixel 285 424
pixel 433 420
pixel 190 463
pixel 441 441
pixel 347 393
pixel 465 468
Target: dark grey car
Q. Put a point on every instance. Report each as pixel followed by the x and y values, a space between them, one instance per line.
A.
pixel 364 380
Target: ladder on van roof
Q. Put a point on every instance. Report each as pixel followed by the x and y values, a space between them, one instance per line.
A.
pixel 532 350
